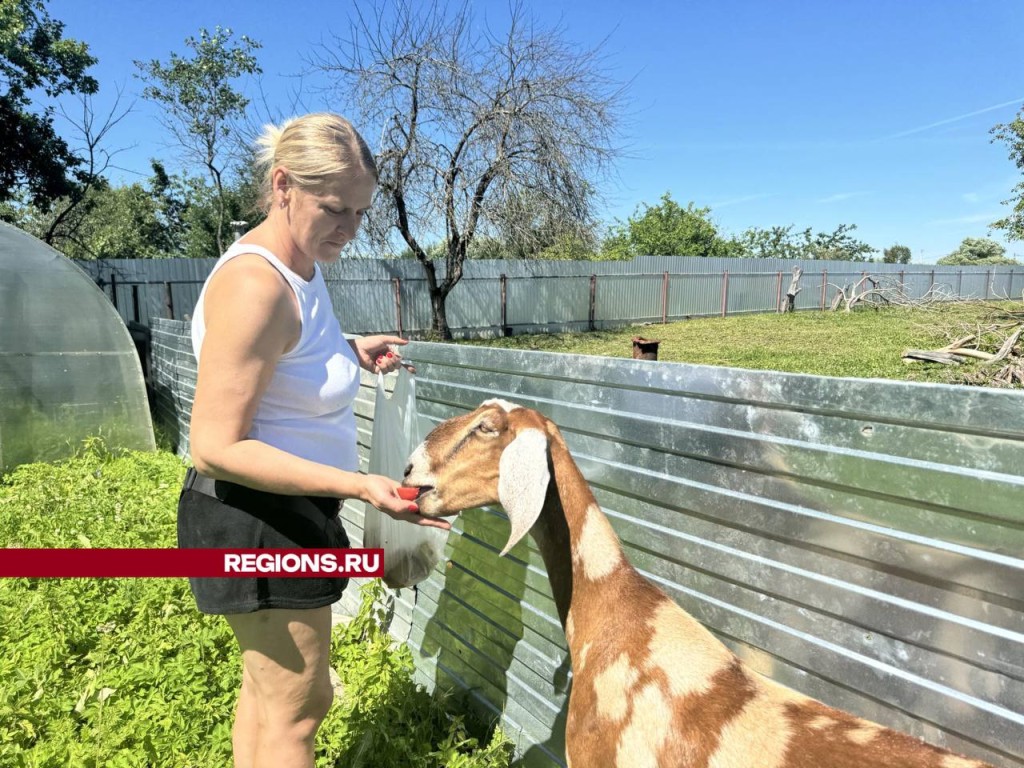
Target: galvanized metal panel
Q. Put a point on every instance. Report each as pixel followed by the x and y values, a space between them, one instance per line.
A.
pixel 752 292
pixel 695 295
pixel 629 298
pixel 857 540
pixel 548 301
pixel 546 296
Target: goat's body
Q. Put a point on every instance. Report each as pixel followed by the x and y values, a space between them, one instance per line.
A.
pixel 664 693
pixel 652 688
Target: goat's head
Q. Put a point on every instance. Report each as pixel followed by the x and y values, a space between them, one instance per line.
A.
pixel 496 454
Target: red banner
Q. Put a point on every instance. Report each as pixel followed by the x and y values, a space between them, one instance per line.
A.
pixel 147 563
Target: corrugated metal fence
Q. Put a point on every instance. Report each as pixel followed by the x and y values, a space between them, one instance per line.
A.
pixel 858 540
pixel 504 297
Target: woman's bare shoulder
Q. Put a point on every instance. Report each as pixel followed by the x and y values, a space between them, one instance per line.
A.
pixel 251 278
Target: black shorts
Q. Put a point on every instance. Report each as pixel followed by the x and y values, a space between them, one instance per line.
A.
pixel 223 515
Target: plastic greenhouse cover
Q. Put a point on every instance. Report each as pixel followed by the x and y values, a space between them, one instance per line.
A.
pixel 69 369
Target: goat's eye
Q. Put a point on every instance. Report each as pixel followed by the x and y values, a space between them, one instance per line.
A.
pixel 486 429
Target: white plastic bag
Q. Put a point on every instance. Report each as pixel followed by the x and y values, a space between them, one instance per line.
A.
pixel 410 551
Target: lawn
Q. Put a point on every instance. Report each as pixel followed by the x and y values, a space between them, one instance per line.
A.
pixel 865 343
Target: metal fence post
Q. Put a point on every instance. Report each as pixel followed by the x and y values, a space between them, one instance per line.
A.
pixel 503 281
pixel 664 297
pixel 397 283
pixel 169 299
pixel 778 293
pixel 135 302
pixel 824 287
pixel 593 302
pixel 725 293
pixel 113 289
pixel 959 283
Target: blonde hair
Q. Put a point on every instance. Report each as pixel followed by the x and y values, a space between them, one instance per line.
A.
pixel 313 148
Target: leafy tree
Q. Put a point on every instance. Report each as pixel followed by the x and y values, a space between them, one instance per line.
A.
pixel 784 243
pixel 977 251
pixel 1012 134
pixel 561 247
pixel 169 195
pixel 839 245
pixel 774 243
pixel 202 108
pixel 471 123
pixel 172 215
pixel 898 254
pixel 207 209
pixel 572 247
pixel 666 229
pixel 123 223
pixel 530 228
pixel 109 223
pixel 37 60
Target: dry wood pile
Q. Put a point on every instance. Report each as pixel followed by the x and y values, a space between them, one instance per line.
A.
pixel 885 290
pixel 996 342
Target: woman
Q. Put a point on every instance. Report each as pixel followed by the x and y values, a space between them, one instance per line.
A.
pixel 273 435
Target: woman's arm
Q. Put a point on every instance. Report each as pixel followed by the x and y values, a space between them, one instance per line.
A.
pixel 376 353
pixel 252 318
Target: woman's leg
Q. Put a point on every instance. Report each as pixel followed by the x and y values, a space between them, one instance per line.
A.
pixel 286 686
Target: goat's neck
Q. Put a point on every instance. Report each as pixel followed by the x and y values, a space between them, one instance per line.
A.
pixel 569 507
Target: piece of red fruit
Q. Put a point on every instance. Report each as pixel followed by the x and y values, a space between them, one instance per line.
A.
pixel 409 494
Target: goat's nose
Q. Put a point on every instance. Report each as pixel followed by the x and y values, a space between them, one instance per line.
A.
pixel 408 470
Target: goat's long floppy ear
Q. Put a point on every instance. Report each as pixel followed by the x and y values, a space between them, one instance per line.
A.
pixel 523 478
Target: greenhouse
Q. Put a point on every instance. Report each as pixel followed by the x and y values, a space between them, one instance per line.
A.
pixel 68 366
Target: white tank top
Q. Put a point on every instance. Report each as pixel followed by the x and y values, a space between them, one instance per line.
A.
pixel 307 408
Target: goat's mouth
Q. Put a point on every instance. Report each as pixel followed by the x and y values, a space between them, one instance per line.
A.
pixel 421 490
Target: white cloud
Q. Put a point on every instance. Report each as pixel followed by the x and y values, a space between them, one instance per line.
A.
pixel 949 120
pixel 739 200
pixel 838 198
pixel 974 218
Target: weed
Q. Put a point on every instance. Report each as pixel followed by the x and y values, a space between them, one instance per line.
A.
pixel 125 673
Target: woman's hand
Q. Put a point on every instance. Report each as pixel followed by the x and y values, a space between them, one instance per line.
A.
pixel 377 354
pixel 382 492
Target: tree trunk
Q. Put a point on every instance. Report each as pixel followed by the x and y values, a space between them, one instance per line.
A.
pixel 438 292
pixel 789 304
pixel 440 324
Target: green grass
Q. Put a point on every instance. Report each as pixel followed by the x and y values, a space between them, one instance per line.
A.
pixel 865 343
pixel 126 673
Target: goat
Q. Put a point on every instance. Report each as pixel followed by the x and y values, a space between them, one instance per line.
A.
pixel 651 686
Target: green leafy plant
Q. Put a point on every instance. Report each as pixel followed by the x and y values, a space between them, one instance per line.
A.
pixel 385 719
pixel 123 673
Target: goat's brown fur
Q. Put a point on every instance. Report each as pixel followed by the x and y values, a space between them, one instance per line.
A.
pixel 651 686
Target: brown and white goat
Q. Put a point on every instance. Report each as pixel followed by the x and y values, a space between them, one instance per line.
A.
pixel 652 688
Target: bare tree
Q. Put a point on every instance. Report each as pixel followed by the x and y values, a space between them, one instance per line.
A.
pixel 470 123
pixel 69 212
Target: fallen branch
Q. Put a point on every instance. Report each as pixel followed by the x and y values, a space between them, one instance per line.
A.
pixel 929 356
pixel 1008 345
pixel 1010 374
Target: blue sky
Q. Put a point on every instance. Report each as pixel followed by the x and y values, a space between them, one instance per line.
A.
pixel 875 113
